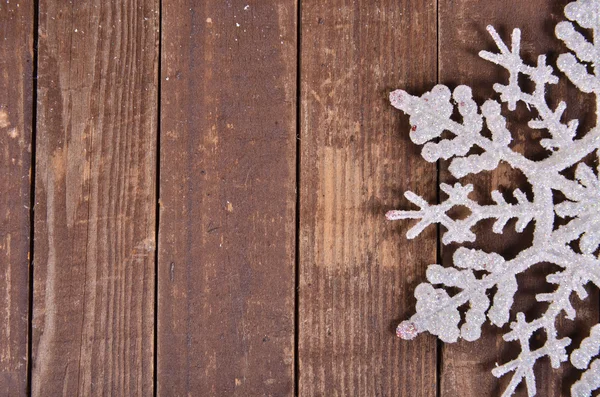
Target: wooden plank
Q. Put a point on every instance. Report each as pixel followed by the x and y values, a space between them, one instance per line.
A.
pixel 16 86
pixel 95 208
pixel 466 366
pixel 227 181
pixel 358 271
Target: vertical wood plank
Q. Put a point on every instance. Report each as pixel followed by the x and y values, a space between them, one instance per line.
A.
pixel 227 193
pixel 16 95
pixel 358 271
pixel 95 198
pixel 466 366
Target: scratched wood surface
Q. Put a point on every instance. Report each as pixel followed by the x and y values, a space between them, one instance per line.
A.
pixel 227 198
pixel 16 106
pixel 356 270
pixel 465 366
pixel 93 303
pixel 255 140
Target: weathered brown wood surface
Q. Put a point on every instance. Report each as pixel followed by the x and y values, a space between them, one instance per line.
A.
pixel 94 280
pixel 357 271
pixel 275 271
pixel 16 106
pixel 227 198
pixel 465 366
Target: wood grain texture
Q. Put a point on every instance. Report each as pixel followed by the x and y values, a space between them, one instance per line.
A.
pixel 358 271
pixel 16 95
pixel 95 198
pixel 466 366
pixel 227 192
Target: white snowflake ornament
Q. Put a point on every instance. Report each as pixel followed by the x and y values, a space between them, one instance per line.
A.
pixel 572 246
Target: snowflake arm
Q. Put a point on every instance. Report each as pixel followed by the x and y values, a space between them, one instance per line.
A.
pixel 433 304
pixel 523 365
pixel 585 211
pixel 590 381
pixel 563 134
pixel 585 14
pixel 580 358
pixel 459 231
pixel 430 116
pixel 541 75
pixel 522 331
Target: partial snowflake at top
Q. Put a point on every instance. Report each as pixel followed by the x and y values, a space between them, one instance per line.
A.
pixel 430 115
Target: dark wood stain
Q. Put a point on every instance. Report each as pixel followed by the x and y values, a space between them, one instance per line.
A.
pixel 16 107
pixel 227 188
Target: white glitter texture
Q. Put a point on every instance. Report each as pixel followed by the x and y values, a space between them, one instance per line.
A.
pixel 573 246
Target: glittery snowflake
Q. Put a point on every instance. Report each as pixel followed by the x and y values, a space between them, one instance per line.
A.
pixel 572 245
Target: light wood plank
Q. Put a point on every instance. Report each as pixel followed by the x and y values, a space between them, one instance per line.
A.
pixel 95 208
pixel 358 271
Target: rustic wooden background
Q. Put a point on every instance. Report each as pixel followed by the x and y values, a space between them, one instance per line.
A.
pixel 193 195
